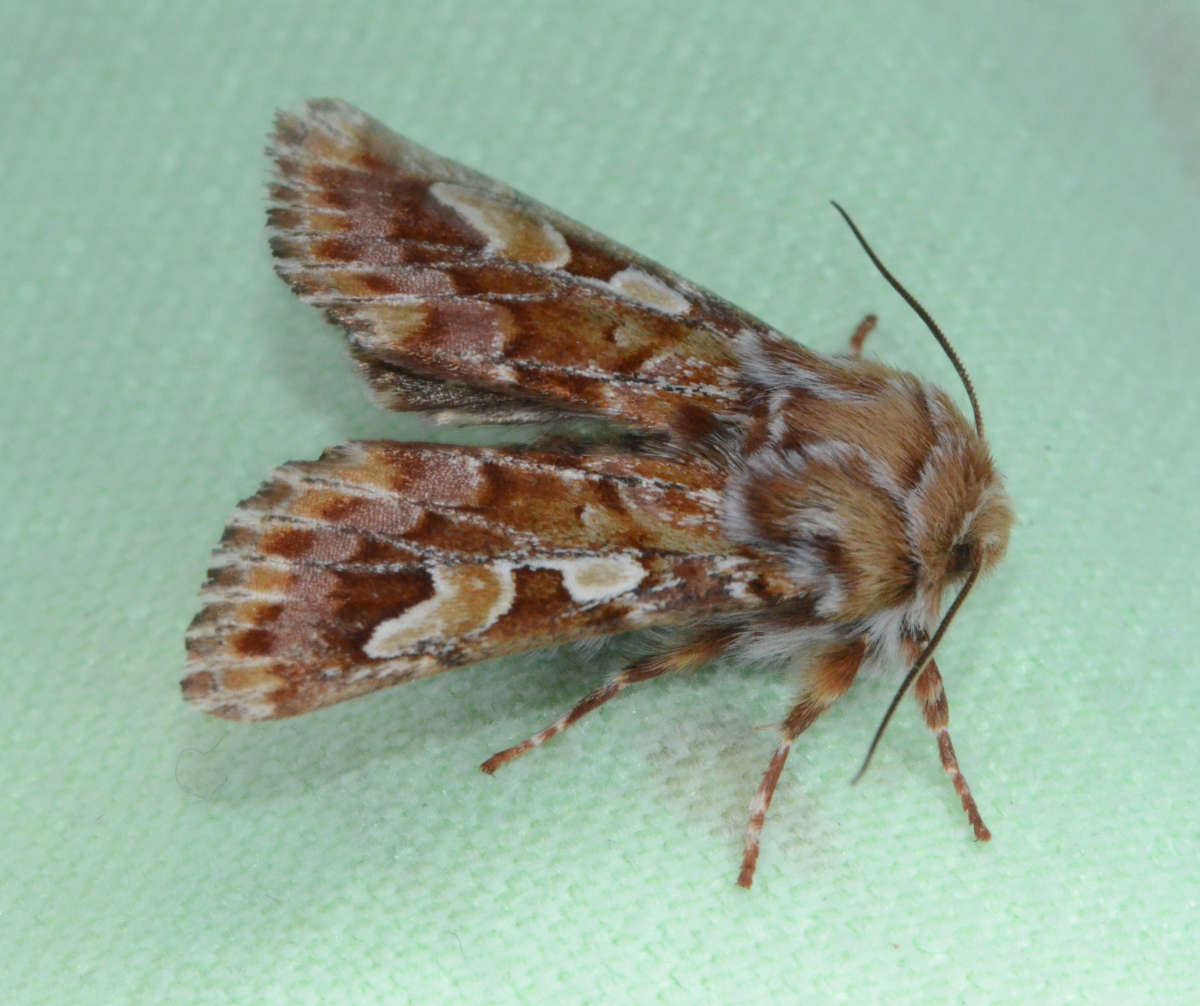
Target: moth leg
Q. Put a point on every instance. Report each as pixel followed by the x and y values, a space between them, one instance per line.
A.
pixel 865 327
pixel 828 679
pixel 931 695
pixel 690 654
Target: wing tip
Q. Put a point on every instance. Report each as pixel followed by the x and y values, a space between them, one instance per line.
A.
pixel 328 115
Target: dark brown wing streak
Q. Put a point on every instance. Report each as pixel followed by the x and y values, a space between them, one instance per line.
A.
pixel 384 562
pixel 460 295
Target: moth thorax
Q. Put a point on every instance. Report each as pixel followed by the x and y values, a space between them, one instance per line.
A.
pixel 843 536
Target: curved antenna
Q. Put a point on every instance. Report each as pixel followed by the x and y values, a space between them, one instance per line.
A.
pixel 917 668
pixel 922 314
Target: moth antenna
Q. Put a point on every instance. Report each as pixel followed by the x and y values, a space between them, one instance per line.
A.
pixel 917 668
pixel 922 314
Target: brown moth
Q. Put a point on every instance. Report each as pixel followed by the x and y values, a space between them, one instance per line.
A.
pixel 759 499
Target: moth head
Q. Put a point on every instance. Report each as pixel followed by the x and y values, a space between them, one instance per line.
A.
pixel 959 516
pixel 984 538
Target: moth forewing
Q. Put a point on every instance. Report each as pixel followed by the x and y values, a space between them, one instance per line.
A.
pixel 758 498
pixel 385 562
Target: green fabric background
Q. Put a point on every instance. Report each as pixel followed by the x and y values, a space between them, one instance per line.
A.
pixel 1032 170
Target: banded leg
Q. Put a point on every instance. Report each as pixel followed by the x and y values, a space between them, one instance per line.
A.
pixel 828 679
pixel 931 694
pixel 690 654
pixel 865 327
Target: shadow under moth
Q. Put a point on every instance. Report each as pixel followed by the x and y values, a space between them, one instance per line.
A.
pixel 753 498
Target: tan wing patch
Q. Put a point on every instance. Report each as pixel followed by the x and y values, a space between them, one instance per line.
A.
pixel 466 600
pixel 510 233
pixel 639 285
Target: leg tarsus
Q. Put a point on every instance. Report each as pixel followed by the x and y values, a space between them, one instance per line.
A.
pixel 799 719
pixel 758 812
pixel 593 700
pixel 864 329
pixel 931 694
pixel 828 678
pixel 690 654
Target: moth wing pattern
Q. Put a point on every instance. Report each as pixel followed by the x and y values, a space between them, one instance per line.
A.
pixel 757 497
pixel 468 300
pixel 384 562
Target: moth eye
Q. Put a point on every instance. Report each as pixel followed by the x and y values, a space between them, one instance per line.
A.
pixel 960 559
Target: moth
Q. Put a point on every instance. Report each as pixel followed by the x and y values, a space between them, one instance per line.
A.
pixel 748 497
